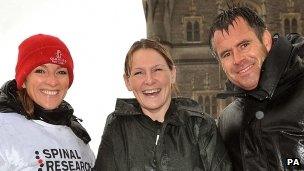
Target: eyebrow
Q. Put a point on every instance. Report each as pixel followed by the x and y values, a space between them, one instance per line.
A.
pixel 225 51
pixel 237 45
pixel 58 67
pixel 242 42
pixel 43 66
pixel 157 65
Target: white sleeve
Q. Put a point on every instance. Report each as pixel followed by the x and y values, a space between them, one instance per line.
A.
pixel 4 165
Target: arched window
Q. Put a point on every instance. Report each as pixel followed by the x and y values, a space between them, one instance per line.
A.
pixel 286 26
pixel 214 106
pixel 207 104
pixel 294 25
pixel 201 101
pixel 196 31
pixel 189 31
pixel 192 28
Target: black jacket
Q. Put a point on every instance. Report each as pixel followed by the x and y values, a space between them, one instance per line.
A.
pixel 264 128
pixel 63 115
pixel 187 140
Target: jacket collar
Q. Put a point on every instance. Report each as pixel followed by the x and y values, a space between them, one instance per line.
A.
pixel 272 70
pixel 127 107
pixel 131 107
pixel 274 65
pixel 8 98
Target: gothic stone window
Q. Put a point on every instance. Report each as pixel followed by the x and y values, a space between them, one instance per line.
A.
pixel 201 102
pixel 192 28
pixel 208 103
pixel 196 31
pixel 290 26
pixel 214 104
pixel 189 31
pixel 291 23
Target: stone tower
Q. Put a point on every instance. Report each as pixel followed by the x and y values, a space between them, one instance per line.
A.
pixel 182 25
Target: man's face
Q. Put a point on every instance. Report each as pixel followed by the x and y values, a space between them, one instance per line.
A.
pixel 241 53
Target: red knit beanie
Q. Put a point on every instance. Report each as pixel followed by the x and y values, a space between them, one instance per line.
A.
pixel 42 49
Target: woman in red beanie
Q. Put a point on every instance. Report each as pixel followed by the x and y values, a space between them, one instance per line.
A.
pixel 38 130
pixel 154 131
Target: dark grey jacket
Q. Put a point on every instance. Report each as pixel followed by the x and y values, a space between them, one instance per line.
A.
pixel 264 128
pixel 187 140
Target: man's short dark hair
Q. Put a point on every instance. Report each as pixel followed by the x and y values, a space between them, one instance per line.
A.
pixel 227 17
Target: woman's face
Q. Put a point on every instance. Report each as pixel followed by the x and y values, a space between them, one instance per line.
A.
pixel 150 79
pixel 47 85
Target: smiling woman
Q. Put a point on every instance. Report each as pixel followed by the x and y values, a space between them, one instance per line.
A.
pixel 98 34
pixel 35 121
pixel 47 85
pixel 155 131
pixel 150 74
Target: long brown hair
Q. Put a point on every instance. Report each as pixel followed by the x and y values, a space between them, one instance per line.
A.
pixel 26 102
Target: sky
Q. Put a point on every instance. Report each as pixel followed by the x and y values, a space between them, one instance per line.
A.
pixel 98 34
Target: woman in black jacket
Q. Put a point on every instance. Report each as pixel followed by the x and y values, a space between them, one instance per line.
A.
pixel 155 131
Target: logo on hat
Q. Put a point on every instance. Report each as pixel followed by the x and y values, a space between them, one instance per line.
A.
pixel 57 59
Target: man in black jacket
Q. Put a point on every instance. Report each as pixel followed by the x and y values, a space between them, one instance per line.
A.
pixel 263 128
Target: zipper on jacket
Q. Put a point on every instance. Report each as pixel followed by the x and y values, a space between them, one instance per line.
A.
pixel 157 138
pixel 154 162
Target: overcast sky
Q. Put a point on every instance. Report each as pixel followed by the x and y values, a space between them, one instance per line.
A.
pixel 98 34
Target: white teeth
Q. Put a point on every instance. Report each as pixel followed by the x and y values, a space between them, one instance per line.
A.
pixel 50 92
pixel 151 91
pixel 246 69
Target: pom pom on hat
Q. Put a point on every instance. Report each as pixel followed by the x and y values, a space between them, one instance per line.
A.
pixel 42 49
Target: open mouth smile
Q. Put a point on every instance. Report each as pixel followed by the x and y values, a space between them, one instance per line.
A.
pixel 50 92
pixel 245 69
pixel 151 92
